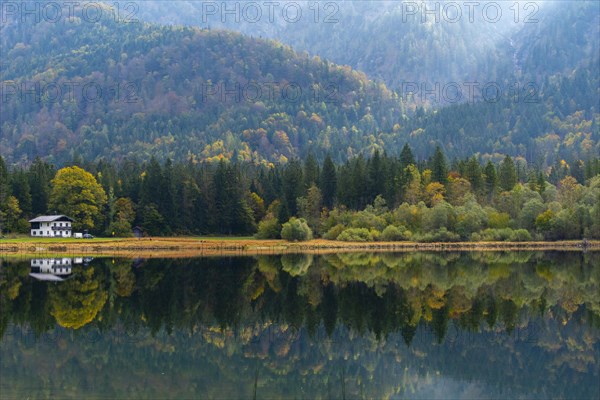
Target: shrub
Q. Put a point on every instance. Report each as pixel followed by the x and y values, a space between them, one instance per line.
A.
pixel 268 228
pixel 504 234
pixel 334 232
pixel 440 235
pixel 393 234
pixel 520 235
pixel 296 230
pixel 375 234
pixel 368 220
pixel 497 220
pixel 475 237
pixel 356 235
pixel 496 235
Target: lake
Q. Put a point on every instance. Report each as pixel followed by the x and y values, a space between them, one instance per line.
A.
pixel 340 326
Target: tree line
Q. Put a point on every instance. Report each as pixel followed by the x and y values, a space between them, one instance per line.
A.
pixel 382 197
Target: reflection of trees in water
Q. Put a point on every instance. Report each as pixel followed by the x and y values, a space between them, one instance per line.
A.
pixel 372 318
pixel 380 293
pixel 77 301
pixel 279 361
pixel 296 264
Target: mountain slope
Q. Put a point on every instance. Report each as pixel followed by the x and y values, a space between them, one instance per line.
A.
pixel 110 89
pixel 113 90
pixel 388 40
pixel 407 41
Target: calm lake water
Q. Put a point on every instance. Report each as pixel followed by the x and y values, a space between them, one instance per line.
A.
pixel 343 326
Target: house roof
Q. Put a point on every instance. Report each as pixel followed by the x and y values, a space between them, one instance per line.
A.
pixel 51 218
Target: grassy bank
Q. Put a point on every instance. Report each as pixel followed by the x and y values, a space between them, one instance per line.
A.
pixel 202 246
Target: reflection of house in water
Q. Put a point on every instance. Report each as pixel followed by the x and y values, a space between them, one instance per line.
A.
pixel 54 269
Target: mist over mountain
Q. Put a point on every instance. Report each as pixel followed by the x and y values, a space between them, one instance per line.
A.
pixel 406 41
pixel 106 84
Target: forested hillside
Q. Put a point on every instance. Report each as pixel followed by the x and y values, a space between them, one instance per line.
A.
pixel 389 41
pixel 109 90
pixel 424 42
pixel 177 92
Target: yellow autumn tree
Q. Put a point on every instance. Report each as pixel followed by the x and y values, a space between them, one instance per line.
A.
pixel 76 193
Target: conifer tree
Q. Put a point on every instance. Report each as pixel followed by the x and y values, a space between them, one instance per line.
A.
pixel 439 167
pixel 507 174
pixel 328 182
pixel 491 179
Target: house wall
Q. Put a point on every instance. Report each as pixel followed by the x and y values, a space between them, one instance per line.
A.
pixel 45 229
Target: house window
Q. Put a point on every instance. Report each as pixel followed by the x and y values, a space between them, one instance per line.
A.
pixel 33 233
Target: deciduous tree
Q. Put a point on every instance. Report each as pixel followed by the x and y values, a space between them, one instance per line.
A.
pixel 76 193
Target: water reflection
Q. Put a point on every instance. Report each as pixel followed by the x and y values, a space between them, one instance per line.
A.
pixel 469 325
pixel 55 269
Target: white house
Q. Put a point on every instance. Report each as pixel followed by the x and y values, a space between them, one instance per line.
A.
pixel 51 226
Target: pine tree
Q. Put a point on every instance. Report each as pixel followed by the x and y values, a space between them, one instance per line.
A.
pixel 328 182
pixel 21 190
pixel 232 215
pixel 491 179
pixel 406 157
pixel 311 171
pixel 473 174
pixel 292 186
pixel 439 167
pixel 376 177
pixel 541 182
pixel 40 174
pixel 507 174
pixel 358 184
pixel 4 187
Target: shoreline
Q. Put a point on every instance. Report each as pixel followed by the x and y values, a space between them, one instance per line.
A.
pixel 197 247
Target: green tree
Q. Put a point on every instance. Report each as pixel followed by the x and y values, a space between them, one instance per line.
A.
pixel 12 216
pixel 296 230
pixel 474 175
pixel 311 171
pixel 310 206
pixel 439 167
pixel 40 175
pixel 21 190
pixel 491 179
pixel 125 209
pixel 328 182
pixel 152 220
pixel 269 228
pixel 375 177
pixel 76 193
pixel 507 174
pixel 412 191
pixel 292 186
pixel 232 215
pixel 406 157
pixel 4 187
